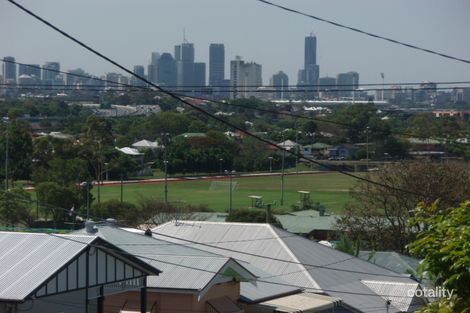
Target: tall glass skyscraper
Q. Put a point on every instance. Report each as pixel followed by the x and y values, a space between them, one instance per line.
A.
pixel 216 64
pixel 9 69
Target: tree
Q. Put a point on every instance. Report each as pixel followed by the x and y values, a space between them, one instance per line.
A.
pixel 125 212
pixel 252 216
pixel 445 250
pixel 59 200
pixel 15 207
pixel 378 214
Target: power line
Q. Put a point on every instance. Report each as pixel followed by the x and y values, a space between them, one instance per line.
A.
pixel 250 86
pixel 204 112
pixel 122 252
pixel 364 32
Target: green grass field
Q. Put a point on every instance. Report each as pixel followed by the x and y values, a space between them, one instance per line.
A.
pixel 330 189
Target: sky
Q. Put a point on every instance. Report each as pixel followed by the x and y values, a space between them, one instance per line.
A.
pixel 129 30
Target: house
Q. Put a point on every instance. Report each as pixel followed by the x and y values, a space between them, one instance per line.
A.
pixel 192 280
pixel 302 263
pixel 289 145
pixel 66 273
pixel 309 223
pixel 343 151
pixel 144 144
pixel 316 150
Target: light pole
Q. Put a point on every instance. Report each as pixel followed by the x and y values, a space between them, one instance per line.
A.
pixel 220 166
pixel 367 148
pixel 270 164
pixel 230 175
pixel 87 185
pixel 106 169
pixel 122 189
pixel 165 162
pixel 7 142
pixel 282 175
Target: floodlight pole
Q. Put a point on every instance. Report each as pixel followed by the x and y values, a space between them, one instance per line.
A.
pixel 282 175
pixel 166 180
pixel 270 164
pixel 230 174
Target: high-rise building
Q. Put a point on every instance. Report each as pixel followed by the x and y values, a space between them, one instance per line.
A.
pixel 50 74
pixel 199 76
pixel 140 71
pixel 310 56
pixel 30 69
pixel 9 69
pixel 347 83
pixel 327 86
pixel 166 70
pixel 73 77
pixel 152 68
pixel 216 64
pixel 280 83
pixel 245 78
pixel 184 55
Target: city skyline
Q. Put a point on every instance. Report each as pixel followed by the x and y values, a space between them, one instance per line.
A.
pixel 276 41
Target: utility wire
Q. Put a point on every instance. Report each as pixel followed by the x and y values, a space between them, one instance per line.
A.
pixel 199 109
pixel 364 32
pixel 123 252
pixel 87 76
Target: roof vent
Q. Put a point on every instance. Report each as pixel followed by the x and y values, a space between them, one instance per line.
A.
pixel 90 227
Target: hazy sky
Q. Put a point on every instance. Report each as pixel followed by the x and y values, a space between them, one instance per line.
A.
pixel 129 30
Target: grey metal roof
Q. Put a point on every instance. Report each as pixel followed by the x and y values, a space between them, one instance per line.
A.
pixel 393 261
pixel 27 260
pixel 183 267
pixel 328 270
pixel 304 224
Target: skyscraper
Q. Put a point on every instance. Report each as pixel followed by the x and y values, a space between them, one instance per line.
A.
pixel 200 76
pixel 30 69
pixel 216 64
pixel 166 70
pixel 346 83
pixel 280 82
pixel 50 73
pixel 152 71
pixel 9 69
pixel 184 55
pixel 310 51
pixel 245 78
pixel 140 71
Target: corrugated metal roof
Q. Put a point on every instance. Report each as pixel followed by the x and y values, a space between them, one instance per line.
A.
pixel 178 263
pixel 303 224
pixel 393 261
pixel 27 260
pixel 336 273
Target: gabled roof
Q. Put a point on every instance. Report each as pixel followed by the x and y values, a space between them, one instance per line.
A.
pixel 297 260
pixel 145 144
pixel 393 261
pixel 183 267
pixel 129 151
pixel 29 261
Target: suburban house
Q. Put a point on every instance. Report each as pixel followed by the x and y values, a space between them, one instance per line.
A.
pixel 290 145
pixel 145 144
pixel 362 286
pixel 343 151
pixel 46 273
pixel 192 280
pixel 316 150
pixel 309 223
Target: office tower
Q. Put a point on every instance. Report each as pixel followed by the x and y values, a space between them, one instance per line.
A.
pixel 166 70
pixel 72 80
pixel 140 71
pixel 280 82
pixel 9 70
pixel 216 64
pixel 245 78
pixel 184 55
pixel 152 71
pixel 112 80
pixel 50 73
pixel 199 76
pixel 347 83
pixel 310 56
pixel 327 86
pixel 30 70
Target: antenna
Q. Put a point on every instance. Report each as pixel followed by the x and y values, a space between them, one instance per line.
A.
pixel 184 35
